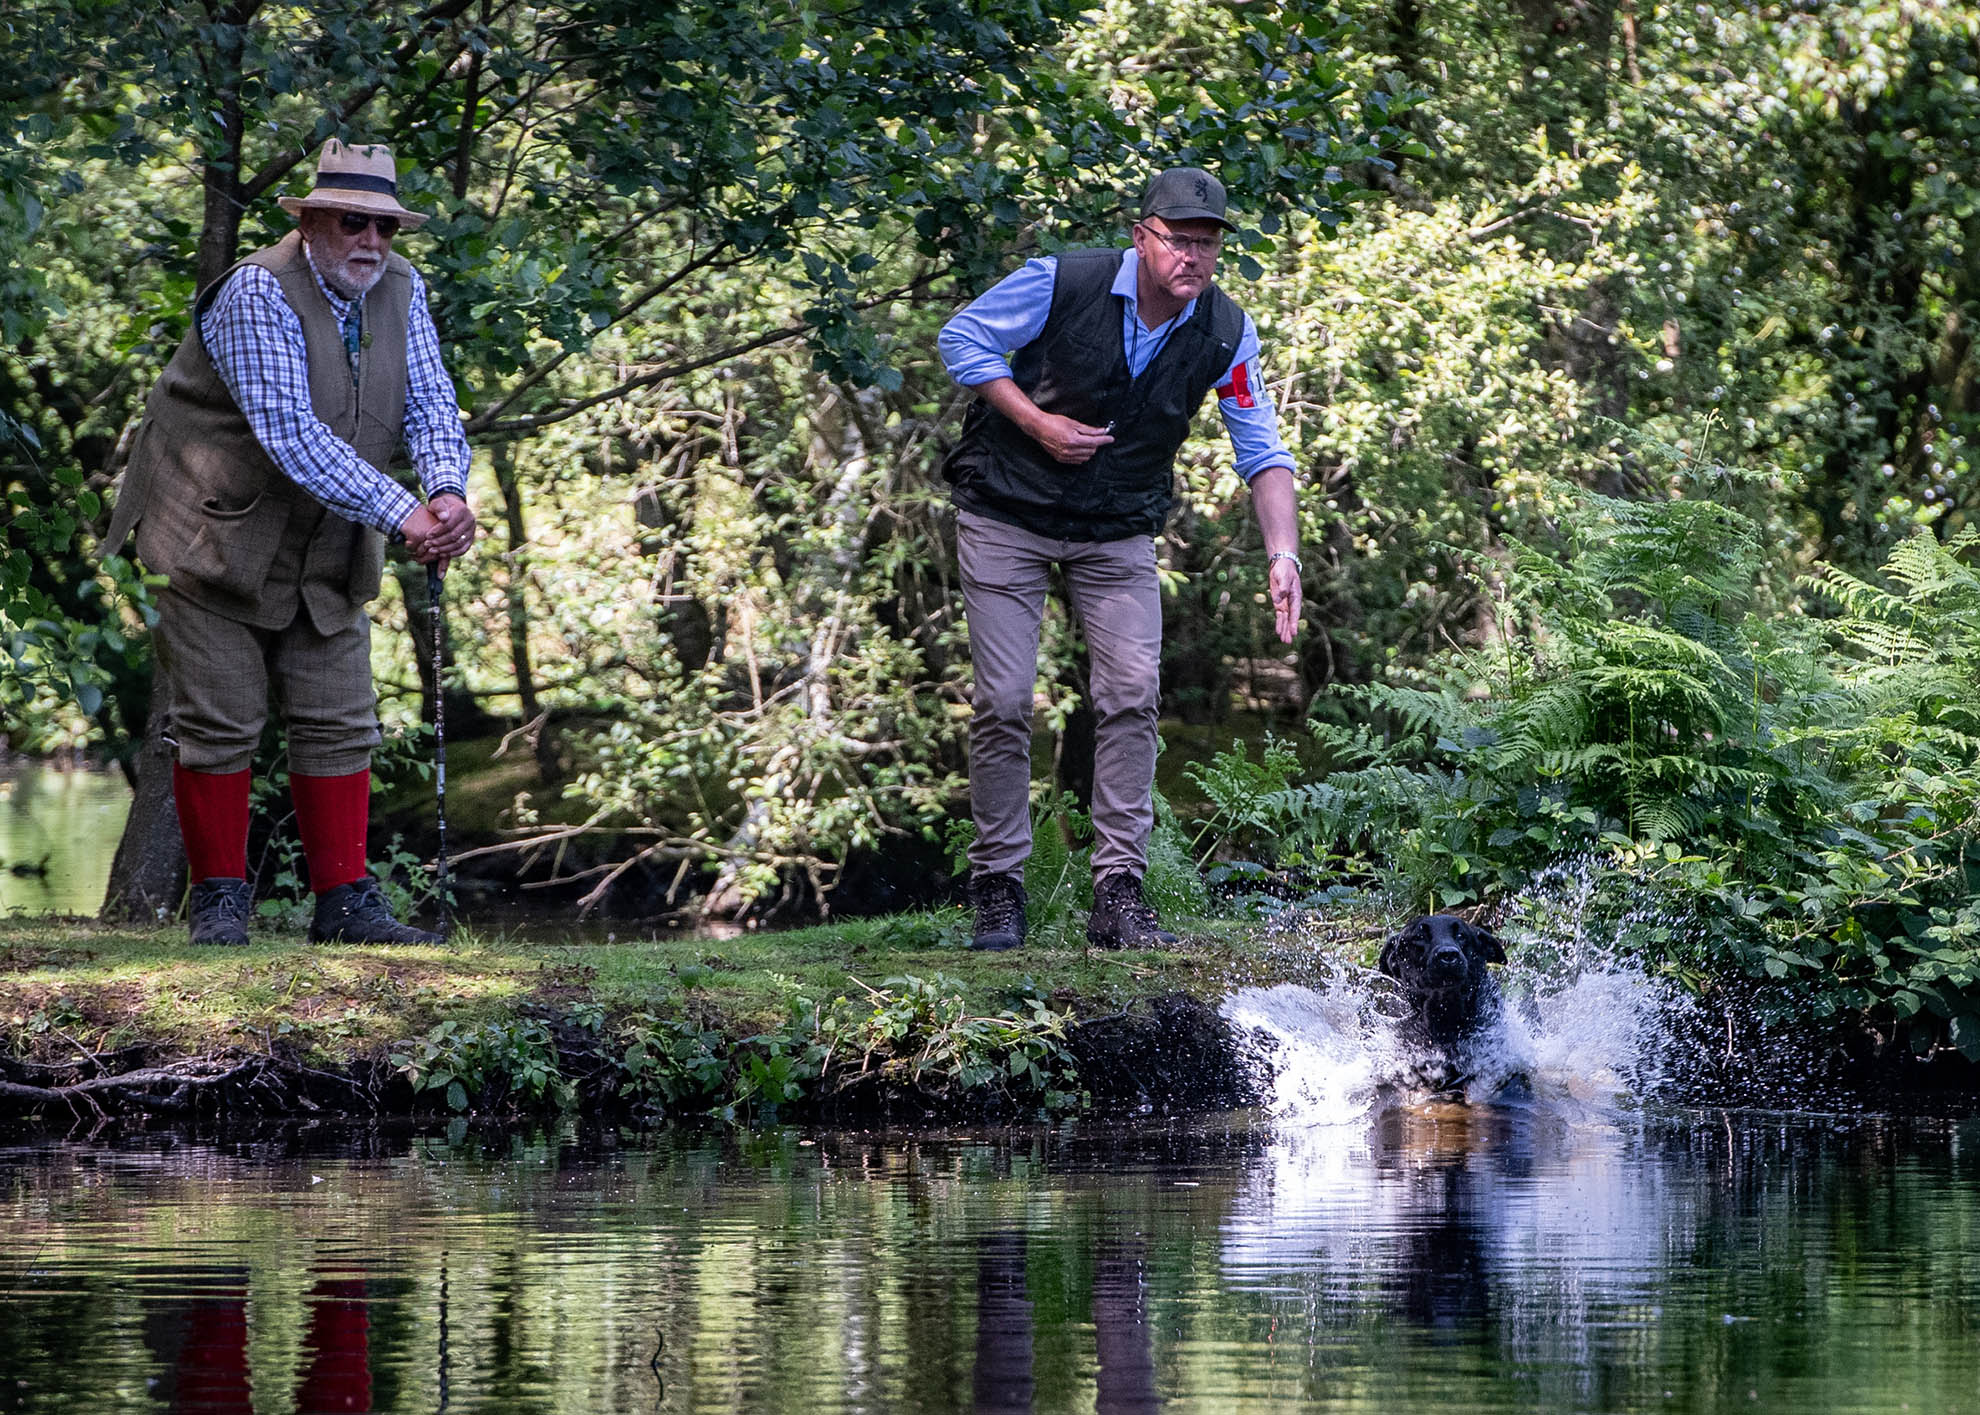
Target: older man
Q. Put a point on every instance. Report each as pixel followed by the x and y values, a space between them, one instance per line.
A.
pixel 1089 367
pixel 257 485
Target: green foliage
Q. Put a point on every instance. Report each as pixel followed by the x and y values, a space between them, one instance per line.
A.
pixel 640 215
pixel 1806 787
pixel 1058 875
pixel 487 1065
pixel 670 1061
pixel 913 932
pixel 921 1034
pixel 909 1033
pixel 692 258
pixel 66 643
pixel 1172 884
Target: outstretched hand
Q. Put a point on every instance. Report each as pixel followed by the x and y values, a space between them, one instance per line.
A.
pixel 1286 592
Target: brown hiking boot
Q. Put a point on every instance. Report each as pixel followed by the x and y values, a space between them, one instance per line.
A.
pixel 1121 919
pixel 999 913
pixel 220 909
pixel 357 913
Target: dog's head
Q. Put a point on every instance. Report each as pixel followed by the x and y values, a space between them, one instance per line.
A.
pixel 1440 953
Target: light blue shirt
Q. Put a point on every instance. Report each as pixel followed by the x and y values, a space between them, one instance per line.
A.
pixel 976 346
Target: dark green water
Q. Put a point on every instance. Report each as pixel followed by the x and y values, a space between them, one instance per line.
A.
pixel 1457 1260
pixel 58 835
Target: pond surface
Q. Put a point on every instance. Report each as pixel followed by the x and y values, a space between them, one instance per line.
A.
pixel 1429 1259
pixel 58 835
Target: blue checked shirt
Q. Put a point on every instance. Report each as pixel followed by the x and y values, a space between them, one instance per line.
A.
pixel 256 343
pixel 976 346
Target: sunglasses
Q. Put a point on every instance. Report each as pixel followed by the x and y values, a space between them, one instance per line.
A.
pixel 354 222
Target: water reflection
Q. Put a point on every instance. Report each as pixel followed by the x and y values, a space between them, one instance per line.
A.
pixel 1124 1361
pixel 1429 1259
pixel 1002 1381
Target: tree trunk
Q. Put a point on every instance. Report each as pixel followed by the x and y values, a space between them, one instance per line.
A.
pixel 148 873
pixel 545 743
pixel 220 230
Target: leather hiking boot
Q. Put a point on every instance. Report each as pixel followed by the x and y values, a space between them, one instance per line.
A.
pixel 357 913
pixel 999 913
pixel 1122 919
pixel 220 909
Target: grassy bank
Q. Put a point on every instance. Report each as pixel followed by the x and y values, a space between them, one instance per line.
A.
pixel 886 1009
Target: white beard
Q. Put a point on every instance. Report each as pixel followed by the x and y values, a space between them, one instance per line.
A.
pixel 351 279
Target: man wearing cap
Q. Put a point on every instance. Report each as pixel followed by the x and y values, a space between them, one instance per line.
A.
pixel 257 486
pixel 1089 367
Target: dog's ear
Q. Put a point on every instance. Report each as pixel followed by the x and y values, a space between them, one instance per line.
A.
pixel 1410 933
pixel 1386 964
pixel 1489 947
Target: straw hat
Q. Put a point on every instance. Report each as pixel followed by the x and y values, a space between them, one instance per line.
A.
pixel 356 179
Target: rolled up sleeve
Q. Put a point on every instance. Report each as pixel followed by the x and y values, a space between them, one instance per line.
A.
pixel 1245 404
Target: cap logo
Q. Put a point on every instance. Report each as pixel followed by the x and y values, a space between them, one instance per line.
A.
pixel 1202 191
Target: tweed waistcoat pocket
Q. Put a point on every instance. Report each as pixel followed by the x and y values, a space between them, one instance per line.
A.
pixel 233 547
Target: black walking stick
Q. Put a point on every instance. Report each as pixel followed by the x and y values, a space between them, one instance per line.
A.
pixel 439 626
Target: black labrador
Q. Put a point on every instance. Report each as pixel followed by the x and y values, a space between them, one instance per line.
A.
pixel 1440 963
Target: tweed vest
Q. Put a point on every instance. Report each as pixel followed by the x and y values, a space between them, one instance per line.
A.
pixel 1077 367
pixel 215 514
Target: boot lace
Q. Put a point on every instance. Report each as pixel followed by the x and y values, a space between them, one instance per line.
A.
pixel 996 905
pixel 1123 899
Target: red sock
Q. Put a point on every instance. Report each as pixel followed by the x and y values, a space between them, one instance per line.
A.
pixel 332 813
pixel 213 820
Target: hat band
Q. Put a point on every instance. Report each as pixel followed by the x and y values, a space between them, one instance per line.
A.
pixel 359 181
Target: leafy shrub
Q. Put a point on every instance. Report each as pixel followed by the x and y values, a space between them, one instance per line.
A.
pixel 909 1032
pixel 488 1063
pixel 921 1033
pixel 670 1060
pixel 1809 785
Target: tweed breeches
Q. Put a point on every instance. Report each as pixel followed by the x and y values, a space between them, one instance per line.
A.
pixel 220 675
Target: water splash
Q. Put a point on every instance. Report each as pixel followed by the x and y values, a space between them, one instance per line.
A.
pixel 1582 1026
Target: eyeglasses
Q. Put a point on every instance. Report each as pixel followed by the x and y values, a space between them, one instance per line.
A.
pixel 354 222
pixel 1205 246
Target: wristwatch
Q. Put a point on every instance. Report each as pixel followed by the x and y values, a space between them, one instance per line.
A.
pixel 1298 568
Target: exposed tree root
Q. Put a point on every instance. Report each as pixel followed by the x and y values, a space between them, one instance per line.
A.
pixel 254 1082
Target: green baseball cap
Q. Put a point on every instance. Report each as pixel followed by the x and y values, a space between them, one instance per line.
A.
pixel 1185 194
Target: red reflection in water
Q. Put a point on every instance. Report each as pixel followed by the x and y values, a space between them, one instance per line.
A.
pixel 338 1379
pixel 213 1366
pixel 209 1368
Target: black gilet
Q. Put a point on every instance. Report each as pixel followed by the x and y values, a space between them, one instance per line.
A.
pixel 1078 368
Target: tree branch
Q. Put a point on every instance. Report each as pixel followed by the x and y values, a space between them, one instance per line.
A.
pixel 438 17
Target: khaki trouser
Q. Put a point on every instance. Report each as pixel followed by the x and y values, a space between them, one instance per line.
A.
pixel 219 671
pixel 1117 597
